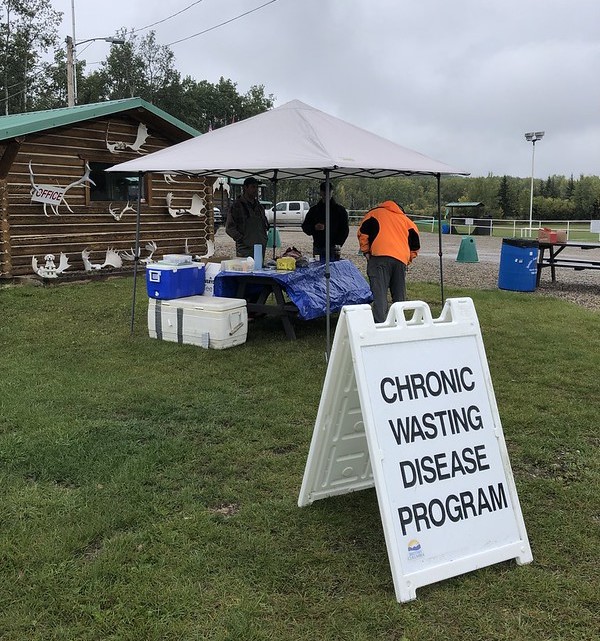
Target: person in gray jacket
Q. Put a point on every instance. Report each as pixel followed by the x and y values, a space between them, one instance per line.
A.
pixel 246 221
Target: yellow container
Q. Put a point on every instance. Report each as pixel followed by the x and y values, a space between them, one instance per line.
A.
pixel 286 263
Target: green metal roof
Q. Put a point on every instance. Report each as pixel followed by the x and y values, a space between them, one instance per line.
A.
pixel 35 121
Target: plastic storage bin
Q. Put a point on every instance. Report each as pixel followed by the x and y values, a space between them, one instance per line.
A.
pixel 165 281
pixel 518 264
pixel 208 321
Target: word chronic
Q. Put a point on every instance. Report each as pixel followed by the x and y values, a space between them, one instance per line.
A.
pixel 415 386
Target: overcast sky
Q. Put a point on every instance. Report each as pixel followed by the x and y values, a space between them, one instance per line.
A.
pixel 460 81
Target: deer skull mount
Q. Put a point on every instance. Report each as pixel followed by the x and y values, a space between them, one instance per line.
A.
pixel 54 195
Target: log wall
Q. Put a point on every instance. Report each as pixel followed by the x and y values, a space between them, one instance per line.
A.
pixel 58 157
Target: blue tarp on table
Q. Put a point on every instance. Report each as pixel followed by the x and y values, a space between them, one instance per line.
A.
pixel 306 287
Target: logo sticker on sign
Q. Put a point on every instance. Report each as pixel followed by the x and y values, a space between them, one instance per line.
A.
pixel 408 406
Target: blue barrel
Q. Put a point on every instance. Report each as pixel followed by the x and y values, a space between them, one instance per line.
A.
pixel 518 264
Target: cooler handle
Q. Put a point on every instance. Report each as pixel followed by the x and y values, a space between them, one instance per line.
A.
pixel 237 327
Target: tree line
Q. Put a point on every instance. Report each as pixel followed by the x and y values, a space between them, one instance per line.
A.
pixel 138 68
pixel 556 198
pixel 143 68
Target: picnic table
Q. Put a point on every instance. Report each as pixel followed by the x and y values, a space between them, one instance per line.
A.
pixel 554 257
pixel 301 293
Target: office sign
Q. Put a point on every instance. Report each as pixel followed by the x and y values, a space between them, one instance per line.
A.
pixel 408 406
pixel 48 194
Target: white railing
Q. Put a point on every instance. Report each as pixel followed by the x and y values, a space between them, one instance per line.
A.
pixel 576 229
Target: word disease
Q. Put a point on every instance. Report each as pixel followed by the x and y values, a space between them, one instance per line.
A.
pixel 442 447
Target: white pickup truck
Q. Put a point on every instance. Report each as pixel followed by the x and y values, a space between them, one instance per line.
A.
pixel 289 212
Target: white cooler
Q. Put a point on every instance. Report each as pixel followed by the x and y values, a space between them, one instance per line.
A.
pixel 208 321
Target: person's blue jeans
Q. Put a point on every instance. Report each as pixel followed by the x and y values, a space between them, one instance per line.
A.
pixel 386 273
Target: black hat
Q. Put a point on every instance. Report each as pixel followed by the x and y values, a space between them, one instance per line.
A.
pixel 250 181
pixel 323 187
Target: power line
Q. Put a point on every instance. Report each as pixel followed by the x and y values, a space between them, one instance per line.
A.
pixel 25 84
pixel 168 17
pixel 220 24
pixel 12 95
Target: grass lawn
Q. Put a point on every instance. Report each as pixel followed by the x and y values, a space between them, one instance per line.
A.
pixel 148 490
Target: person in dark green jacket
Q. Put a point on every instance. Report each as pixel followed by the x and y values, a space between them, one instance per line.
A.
pixel 246 221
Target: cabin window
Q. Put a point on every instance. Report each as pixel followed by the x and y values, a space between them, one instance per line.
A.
pixel 113 186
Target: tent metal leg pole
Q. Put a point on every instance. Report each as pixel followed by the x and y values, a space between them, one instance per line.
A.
pixel 137 251
pixel 274 212
pixel 439 203
pixel 327 259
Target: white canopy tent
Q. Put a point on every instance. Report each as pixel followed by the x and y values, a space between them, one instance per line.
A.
pixel 294 140
pixel 291 141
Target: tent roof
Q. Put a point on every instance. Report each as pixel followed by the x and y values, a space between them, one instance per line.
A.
pixel 294 140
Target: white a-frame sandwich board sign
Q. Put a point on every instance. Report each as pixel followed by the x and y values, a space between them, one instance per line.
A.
pixel 408 406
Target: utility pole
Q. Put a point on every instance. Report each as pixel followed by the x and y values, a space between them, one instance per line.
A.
pixel 70 73
pixel 73 54
pixel 71 64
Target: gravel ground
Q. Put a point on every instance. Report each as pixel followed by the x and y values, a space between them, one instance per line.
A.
pixel 580 287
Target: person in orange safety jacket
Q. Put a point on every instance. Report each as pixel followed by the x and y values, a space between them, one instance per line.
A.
pixel 389 240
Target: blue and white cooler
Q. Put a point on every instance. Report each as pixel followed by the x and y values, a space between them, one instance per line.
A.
pixel 165 281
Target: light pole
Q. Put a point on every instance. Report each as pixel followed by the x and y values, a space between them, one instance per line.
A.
pixel 71 65
pixel 532 137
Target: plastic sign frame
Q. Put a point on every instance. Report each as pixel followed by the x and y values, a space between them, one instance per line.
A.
pixel 408 406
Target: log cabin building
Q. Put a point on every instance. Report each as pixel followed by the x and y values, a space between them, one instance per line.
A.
pixel 56 198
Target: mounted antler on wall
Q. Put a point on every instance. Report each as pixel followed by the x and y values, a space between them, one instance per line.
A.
pixel 54 195
pixel 210 250
pixel 198 205
pixel 221 183
pixel 151 247
pixel 140 139
pixel 117 215
pixel 112 259
pixel 171 179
